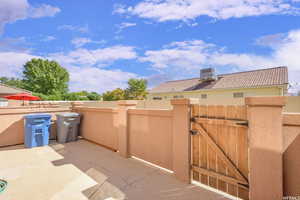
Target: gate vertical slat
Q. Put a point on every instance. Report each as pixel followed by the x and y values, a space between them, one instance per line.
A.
pixel 196 144
pixel 211 153
pixel 232 189
pixel 203 147
pixel 243 158
pixel 221 168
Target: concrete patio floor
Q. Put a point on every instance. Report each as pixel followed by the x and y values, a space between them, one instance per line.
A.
pixel 82 170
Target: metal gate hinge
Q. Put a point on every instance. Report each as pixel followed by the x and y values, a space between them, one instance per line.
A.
pixel 194 132
pixel 193 119
pixel 242 123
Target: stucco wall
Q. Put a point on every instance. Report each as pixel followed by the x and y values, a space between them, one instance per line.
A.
pixel 293 104
pixel 150 136
pixel 141 104
pixel 291 158
pixel 99 125
pixel 12 123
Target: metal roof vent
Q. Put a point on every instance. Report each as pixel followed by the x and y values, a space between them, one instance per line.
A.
pixel 207 74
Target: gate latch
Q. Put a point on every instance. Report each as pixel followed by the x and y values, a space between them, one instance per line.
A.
pixel 194 132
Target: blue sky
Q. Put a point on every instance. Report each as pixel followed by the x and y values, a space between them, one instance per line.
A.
pixel 103 43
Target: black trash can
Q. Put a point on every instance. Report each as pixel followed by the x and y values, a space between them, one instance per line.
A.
pixel 67 127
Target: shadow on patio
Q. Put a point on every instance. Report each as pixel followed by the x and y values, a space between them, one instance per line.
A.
pixel 122 178
pixel 55 172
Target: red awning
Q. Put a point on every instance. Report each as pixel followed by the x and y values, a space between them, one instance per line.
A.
pixel 23 96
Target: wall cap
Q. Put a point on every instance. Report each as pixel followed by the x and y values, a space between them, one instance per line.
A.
pixel 275 101
pixel 76 104
pixel 184 101
pixel 291 119
pixel 127 103
pixel 180 101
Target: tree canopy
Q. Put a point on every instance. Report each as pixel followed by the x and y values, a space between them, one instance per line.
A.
pixel 14 82
pixel 45 77
pixel 137 90
pixel 49 81
pixel 114 95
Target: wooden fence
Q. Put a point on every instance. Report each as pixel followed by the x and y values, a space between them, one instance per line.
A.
pixel 220 148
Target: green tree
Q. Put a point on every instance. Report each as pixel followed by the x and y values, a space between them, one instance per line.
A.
pixel 81 96
pixel 115 95
pixel 137 89
pixel 94 96
pixel 45 77
pixel 14 82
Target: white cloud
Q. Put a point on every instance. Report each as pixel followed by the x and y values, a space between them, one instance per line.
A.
pixel 186 55
pixel 13 44
pixel 43 11
pixel 48 38
pixel 13 67
pixel 81 29
pixel 13 10
pixel 190 56
pixel 99 57
pixel 272 40
pixel 79 42
pixel 124 25
pixel 164 10
pixel 99 80
pixel 83 74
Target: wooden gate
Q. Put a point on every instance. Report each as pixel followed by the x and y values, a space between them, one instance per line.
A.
pixel 220 148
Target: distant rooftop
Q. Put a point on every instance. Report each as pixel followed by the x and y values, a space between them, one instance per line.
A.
pixel 6 89
pixel 247 79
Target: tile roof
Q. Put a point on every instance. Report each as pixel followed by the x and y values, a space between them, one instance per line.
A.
pixel 255 78
pixel 5 89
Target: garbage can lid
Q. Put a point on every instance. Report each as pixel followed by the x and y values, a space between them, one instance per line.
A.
pixel 69 114
pixel 38 115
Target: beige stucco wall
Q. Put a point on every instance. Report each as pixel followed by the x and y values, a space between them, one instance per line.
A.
pixel 99 125
pixel 141 104
pixel 293 104
pixel 12 123
pixel 291 158
pixel 150 136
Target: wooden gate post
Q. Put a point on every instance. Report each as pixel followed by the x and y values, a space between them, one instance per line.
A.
pixel 265 147
pixel 181 139
pixel 123 107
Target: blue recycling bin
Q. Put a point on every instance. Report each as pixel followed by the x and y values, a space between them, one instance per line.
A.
pixel 37 128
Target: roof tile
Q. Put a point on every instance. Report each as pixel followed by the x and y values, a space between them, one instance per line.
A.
pixel 256 78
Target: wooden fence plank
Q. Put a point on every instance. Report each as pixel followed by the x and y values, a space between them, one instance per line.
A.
pixel 232 189
pixel 220 153
pixel 195 144
pixel 221 166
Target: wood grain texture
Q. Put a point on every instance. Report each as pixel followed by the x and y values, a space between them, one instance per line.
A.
pixel 221 146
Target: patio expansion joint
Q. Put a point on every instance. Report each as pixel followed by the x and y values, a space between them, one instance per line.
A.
pixel 130 184
pixel 98 188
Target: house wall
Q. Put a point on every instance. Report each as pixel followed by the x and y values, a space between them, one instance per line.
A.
pixel 222 96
